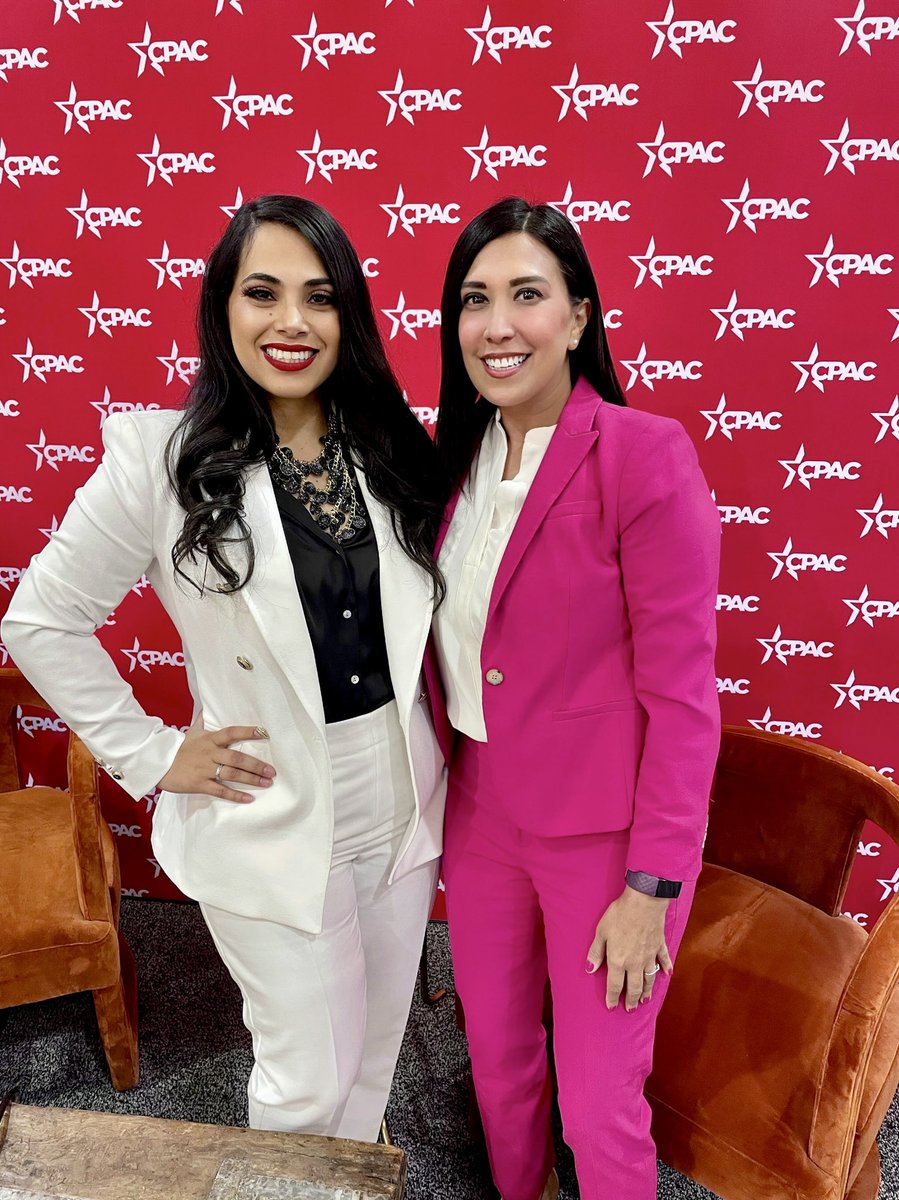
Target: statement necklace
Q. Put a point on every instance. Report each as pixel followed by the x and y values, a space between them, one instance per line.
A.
pixel 344 515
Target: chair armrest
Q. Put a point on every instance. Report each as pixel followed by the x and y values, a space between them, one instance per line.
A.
pixel 862 1010
pixel 84 792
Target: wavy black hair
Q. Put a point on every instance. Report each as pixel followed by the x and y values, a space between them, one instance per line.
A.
pixel 227 425
pixel 461 421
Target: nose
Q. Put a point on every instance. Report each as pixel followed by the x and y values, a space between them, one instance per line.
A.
pixel 499 326
pixel 290 318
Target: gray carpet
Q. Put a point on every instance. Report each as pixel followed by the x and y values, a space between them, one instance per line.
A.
pixel 195 1059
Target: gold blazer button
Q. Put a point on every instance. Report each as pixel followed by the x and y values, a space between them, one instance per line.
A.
pixel 244 662
pixel 495 676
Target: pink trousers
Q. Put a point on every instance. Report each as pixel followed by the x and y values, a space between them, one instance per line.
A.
pixel 521 907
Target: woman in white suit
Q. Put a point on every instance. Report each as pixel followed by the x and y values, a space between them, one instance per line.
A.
pixel 285 520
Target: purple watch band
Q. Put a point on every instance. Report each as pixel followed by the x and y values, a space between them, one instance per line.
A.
pixel 652 885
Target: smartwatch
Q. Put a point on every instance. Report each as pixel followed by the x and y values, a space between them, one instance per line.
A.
pixel 652 885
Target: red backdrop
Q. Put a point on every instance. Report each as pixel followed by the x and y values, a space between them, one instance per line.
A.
pixel 725 164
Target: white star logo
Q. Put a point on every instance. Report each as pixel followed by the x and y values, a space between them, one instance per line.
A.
pixel 761 723
pixel 819 262
pixel 140 49
pixel 835 146
pixel 562 205
pixel 476 33
pixel 171 363
pixel 747 87
pixel 736 208
pixel 565 92
pixel 855 607
pixel 161 264
pixel 779 557
pixel 803 367
pixel 650 149
pixel 226 102
pixel 27 365
pixel 102 406
pixel 477 154
pixel 712 415
pixel 894 313
pixel 843 690
pixel 395 316
pixel 132 656
pixel 848 25
pixel 660 29
pixel 152 165
pixel 4 655
pixel 306 40
pixel 890 886
pixel 92 320
pixel 770 645
pixel 38 449
pixel 393 211
pixel 68 107
pixel 79 214
pixel 12 264
pixel 219 6
pixel 889 421
pixel 62 7
pixel 870 516
pixel 311 157
pixel 392 98
pixel 724 315
pixel 790 465
pixel 230 209
pixel 49 532
pixel 641 262
pixel 633 365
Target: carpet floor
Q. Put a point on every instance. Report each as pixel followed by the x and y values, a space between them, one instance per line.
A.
pixel 196 1057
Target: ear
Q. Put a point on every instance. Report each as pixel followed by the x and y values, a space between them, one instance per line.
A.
pixel 581 316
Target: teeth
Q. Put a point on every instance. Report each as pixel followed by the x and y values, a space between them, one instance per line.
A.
pixel 289 356
pixel 503 364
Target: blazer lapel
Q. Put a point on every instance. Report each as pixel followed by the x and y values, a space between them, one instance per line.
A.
pixel 272 598
pixel 570 444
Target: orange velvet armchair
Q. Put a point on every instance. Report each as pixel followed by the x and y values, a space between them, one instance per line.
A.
pixel 60 892
pixel 777 1051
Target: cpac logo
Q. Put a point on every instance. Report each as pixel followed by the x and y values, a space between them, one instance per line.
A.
pixel 495 158
pixel 427 416
pixel 152 799
pixel 776 91
pixel 580 212
pixel 9 408
pixel 411 319
pixel 890 886
pixel 175 162
pixel 869 849
pixel 4 655
pixel 866 29
pixel 507 37
pixel 729 603
pixel 29 269
pixel 408 101
pixel 850 151
pixel 581 96
pixel 140 587
pixel 42 364
pixel 611 318
pixel 175 269
pixel 15 166
pixel 30 725
pixel 135 893
pixel 889 421
pixel 738 320
pixel 650 370
pixel 20 58
pixel 732 687
pixel 336 159
pixel 107 406
pixel 183 366
pixel 794 561
pixel 859 918
pixel 159 54
pixel 370 268
pixel 131 831
pixel 97 218
pixel 242 106
pixel 689 33
pixel 750 209
pixel 870 610
pixel 53 455
pixel 676 154
pixel 329 45
pixel 662 266
pixel 408 215
pixel 148 659
pixel 767 724
pixel 807 470
pixel 864 693
pixel 10 575
pixel 730 419
pixel 837 265
pixel 879 518
pixel 13 495
pixel 107 319
pixel 74 7
pixel 820 371
pixel 784 649
pixel 84 112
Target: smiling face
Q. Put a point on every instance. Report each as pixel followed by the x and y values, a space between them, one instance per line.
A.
pixel 517 326
pixel 282 314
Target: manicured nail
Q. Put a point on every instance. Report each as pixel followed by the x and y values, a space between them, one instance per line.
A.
pixel 262 732
pixel 591 968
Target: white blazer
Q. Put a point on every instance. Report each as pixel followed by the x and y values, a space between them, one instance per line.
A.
pixel 249 661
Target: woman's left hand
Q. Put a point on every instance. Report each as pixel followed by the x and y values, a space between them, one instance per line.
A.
pixel 630 940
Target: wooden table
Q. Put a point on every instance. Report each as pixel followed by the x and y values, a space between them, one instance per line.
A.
pixel 57 1152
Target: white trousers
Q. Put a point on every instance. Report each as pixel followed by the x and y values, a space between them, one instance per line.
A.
pixel 327 1011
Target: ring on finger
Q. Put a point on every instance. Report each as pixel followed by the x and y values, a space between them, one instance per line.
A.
pixel 218 772
pixel 654 971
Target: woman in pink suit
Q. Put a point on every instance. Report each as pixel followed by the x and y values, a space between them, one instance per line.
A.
pixel 576 650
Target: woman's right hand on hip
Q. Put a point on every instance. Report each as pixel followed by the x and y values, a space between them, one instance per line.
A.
pixel 204 764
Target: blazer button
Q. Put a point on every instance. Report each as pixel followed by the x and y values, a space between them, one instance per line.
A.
pixel 244 662
pixel 495 676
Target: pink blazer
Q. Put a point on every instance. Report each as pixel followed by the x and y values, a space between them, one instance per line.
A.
pixel 602 624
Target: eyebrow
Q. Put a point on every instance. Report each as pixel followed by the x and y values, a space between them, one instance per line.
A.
pixel 274 279
pixel 522 279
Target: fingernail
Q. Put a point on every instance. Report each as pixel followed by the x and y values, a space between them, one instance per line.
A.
pixel 247 799
pixel 591 968
pixel 262 732
pixel 270 772
pixel 611 1007
pixel 267 782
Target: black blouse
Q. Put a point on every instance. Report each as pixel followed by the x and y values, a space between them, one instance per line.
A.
pixel 339 586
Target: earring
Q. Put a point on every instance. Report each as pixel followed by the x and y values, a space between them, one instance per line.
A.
pixel 573 343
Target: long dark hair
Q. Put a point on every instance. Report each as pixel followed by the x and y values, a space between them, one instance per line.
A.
pixel 227 424
pixel 461 421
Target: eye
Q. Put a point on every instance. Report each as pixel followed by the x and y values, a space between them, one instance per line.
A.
pixel 528 293
pixel 322 299
pixel 472 299
pixel 259 293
